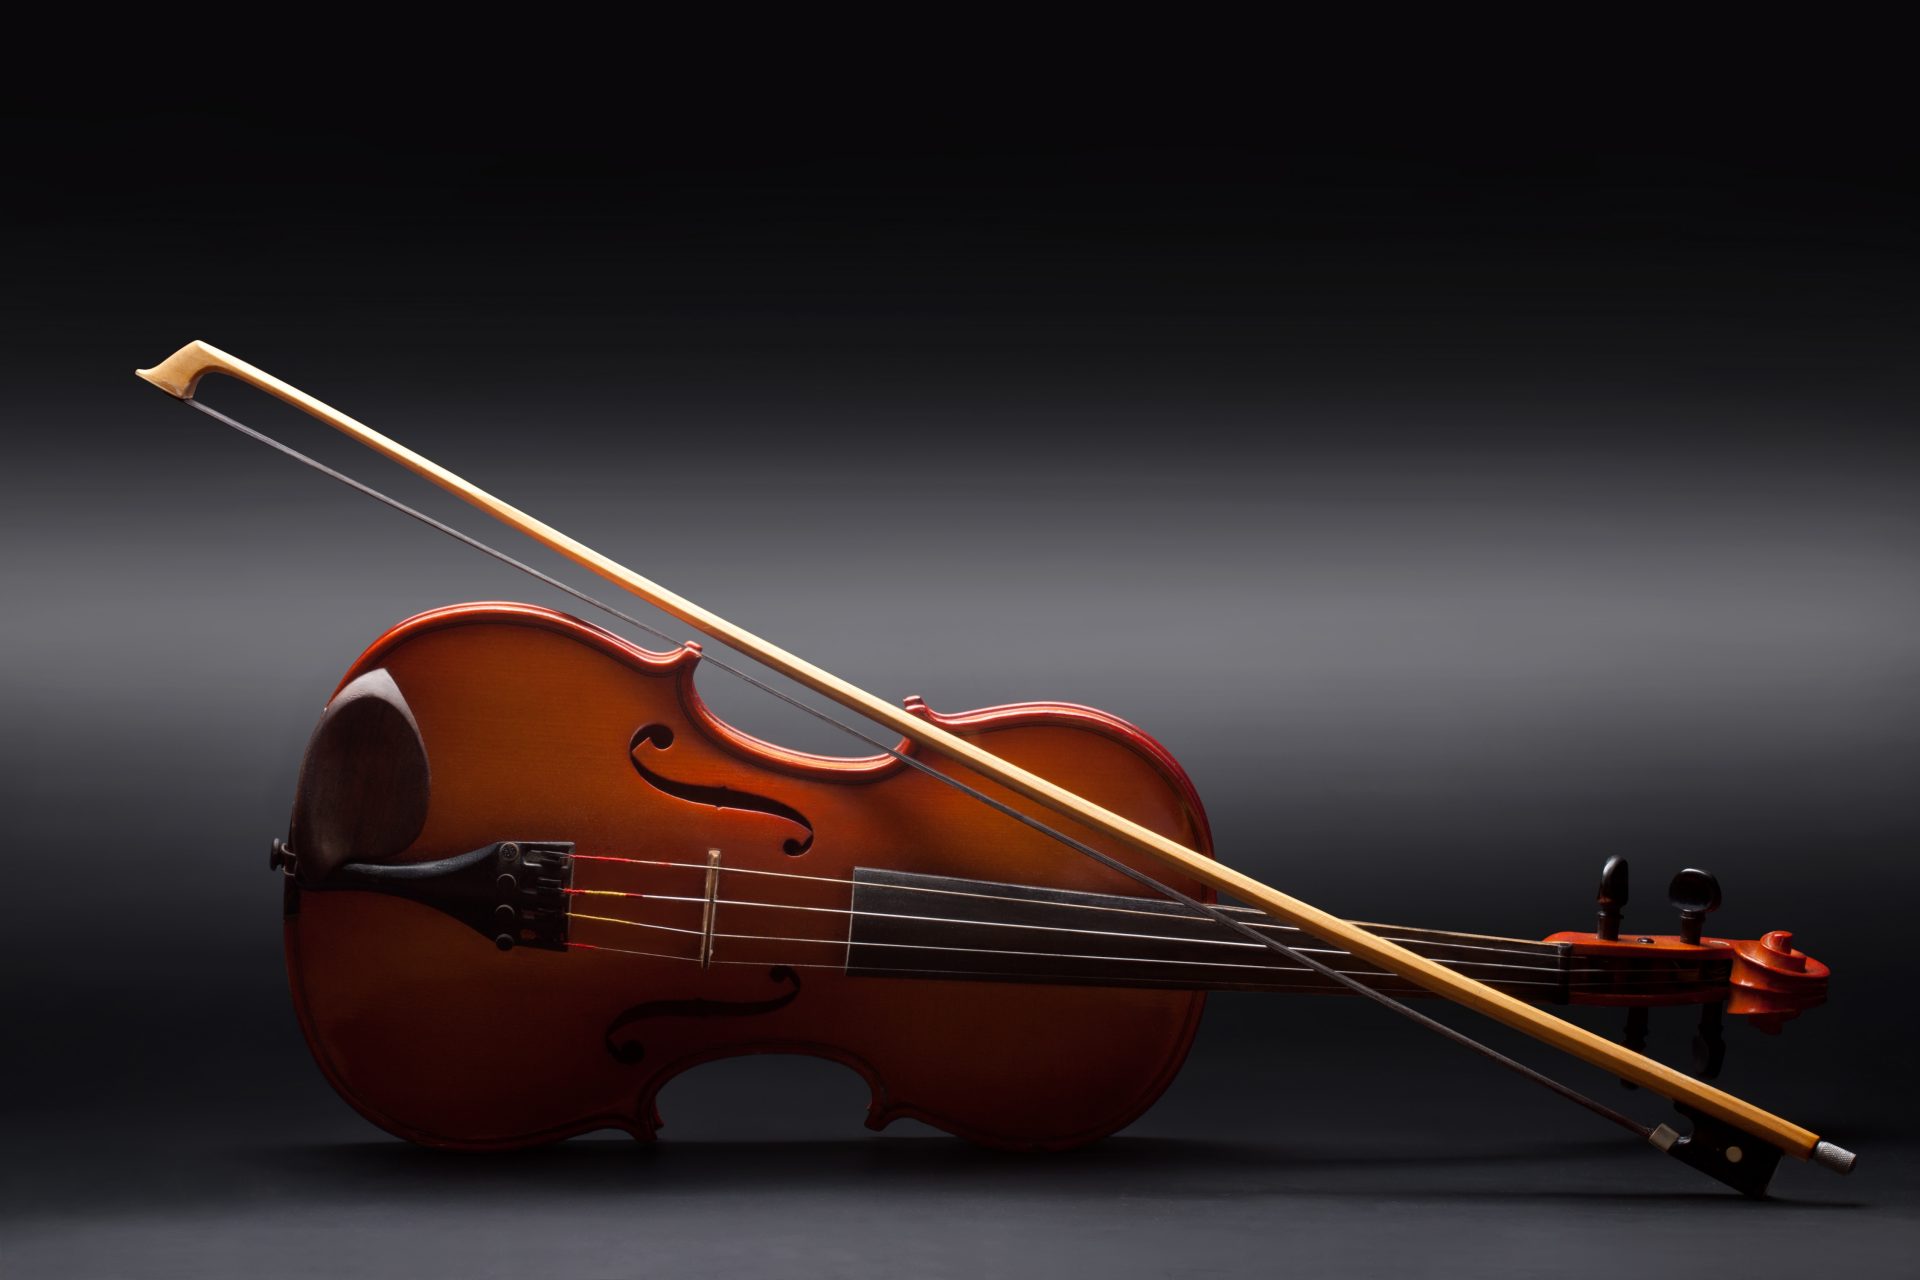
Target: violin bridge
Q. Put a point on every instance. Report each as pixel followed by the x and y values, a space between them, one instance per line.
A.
pixel 710 910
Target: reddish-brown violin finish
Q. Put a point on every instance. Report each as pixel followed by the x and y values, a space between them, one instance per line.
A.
pixel 711 910
pixel 1768 982
pixel 537 726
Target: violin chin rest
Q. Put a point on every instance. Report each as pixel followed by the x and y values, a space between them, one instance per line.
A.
pixel 364 781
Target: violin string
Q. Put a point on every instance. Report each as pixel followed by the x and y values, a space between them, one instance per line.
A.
pixel 1642 988
pixel 1391 932
pixel 999 951
pixel 1538 966
pixel 1616 979
pixel 1013 924
pixel 1552 968
pixel 950 973
pixel 1144 879
pixel 1169 984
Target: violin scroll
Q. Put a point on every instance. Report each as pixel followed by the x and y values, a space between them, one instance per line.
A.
pixel 1764 980
pixel 1772 982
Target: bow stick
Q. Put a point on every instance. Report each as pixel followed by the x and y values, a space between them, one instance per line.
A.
pixel 181 372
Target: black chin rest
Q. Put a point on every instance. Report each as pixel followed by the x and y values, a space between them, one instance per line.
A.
pixel 364 782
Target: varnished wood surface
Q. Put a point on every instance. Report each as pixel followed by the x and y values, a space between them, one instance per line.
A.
pixel 528 720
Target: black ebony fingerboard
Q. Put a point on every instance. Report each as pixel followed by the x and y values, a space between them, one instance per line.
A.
pixel 917 926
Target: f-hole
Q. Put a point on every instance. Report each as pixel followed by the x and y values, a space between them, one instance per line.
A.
pixel 658 737
pixel 631 1051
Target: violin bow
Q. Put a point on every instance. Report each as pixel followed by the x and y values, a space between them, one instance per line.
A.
pixel 1719 1118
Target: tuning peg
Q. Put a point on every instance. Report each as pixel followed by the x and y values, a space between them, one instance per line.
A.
pixel 1612 897
pixel 1695 894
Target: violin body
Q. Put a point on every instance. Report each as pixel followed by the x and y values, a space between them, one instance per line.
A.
pixel 532 726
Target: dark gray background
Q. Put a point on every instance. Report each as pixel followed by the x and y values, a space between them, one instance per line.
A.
pixel 1463 497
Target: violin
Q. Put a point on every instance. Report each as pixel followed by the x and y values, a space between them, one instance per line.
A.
pixel 530 877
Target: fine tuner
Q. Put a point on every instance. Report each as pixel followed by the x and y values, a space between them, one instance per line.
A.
pixel 524 840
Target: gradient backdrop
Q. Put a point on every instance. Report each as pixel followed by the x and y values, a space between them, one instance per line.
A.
pixel 1460 509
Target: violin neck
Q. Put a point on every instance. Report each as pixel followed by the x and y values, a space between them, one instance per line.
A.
pixel 916 926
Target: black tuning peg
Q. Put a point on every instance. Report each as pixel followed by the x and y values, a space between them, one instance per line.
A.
pixel 1612 897
pixel 1695 894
